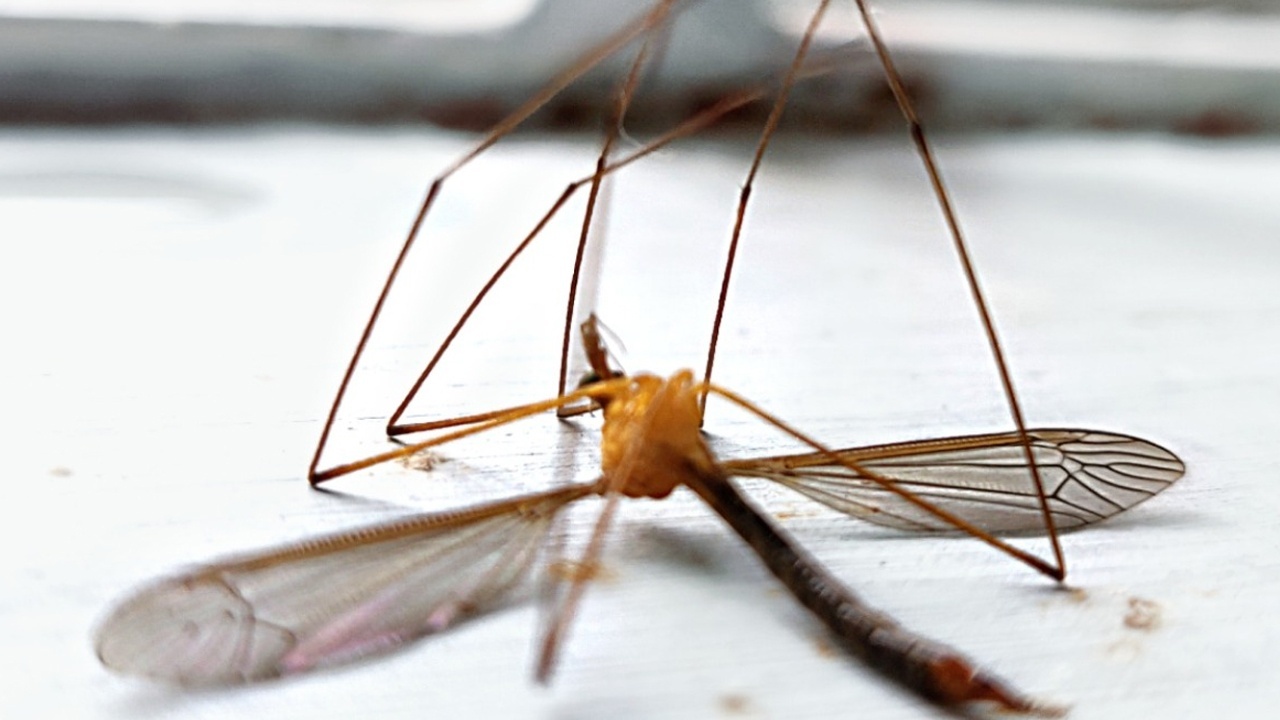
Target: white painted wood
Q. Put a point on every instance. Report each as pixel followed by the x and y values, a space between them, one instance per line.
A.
pixel 177 307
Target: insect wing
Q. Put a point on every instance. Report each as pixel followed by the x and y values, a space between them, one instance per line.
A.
pixel 327 600
pixel 1088 475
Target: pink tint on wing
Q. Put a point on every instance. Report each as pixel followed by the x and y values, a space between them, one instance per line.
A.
pixel 347 636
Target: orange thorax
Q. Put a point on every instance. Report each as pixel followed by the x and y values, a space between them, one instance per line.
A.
pixel 651 440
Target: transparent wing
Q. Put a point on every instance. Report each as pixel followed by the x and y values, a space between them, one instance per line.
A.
pixel 327 600
pixel 1088 475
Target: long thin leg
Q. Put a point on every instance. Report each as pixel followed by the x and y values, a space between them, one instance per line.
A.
pixel 836 459
pixel 622 101
pixel 943 197
pixel 611 487
pixel 492 420
pixel 971 275
pixel 744 196
pixel 585 63
pixel 558 627
pixel 686 128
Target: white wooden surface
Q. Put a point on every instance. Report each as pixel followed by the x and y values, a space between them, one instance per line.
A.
pixel 177 307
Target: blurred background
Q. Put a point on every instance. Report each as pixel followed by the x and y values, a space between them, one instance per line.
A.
pixel 1188 65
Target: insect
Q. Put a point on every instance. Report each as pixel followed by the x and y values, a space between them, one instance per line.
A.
pixel 337 598
pixel 353 594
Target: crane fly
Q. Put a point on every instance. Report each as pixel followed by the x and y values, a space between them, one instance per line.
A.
pixel 358 593
pixel 338 598
pixel 648 31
